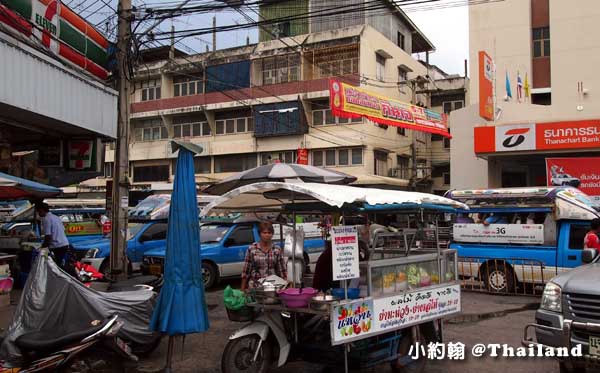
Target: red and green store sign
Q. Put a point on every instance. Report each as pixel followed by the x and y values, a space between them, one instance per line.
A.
pixel 60 30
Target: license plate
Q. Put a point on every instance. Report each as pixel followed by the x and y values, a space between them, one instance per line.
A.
pixel 595 346
pixel 123 346
pixel 155 269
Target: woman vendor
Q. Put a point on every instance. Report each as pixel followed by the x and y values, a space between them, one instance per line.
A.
pixel 263 259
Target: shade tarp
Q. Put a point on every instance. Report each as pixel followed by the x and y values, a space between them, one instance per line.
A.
pixel 276 196
pixel 12 187
pixel 181 307
pixel 280 172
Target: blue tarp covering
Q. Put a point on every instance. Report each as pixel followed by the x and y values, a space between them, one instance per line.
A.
pixel 228 76
pixel 12 187
pixel 181 307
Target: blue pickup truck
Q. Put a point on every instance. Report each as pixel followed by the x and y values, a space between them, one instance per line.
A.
pixel 223 249
pixel 143 237
pixel 515 236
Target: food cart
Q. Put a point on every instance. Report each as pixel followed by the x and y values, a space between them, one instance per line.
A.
pixel 408 279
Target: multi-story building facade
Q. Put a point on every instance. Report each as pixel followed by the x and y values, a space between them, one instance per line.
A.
pixel 552 45
pixel 251 105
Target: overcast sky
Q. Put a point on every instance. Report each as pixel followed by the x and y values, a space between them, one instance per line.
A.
pixel 448 30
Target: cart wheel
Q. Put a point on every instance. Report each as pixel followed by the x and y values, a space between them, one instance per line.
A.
pixel 238 355
pixel 404 363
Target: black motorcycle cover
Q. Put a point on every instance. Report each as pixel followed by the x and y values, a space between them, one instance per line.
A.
pixel 53 300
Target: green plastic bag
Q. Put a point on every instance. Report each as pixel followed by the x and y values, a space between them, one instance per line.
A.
pixel 234 299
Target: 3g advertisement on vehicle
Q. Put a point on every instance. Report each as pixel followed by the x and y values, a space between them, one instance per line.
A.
pixel 580 172
pixel 499 233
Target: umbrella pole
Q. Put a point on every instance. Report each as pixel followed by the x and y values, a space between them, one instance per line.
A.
pixel 168 368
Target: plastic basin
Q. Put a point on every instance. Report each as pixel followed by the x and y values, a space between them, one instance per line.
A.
pixel 353 293
pixel 293 298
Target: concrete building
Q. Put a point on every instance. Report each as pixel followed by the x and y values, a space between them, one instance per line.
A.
pixel 54 115
pixel 554 45
pixel 255 104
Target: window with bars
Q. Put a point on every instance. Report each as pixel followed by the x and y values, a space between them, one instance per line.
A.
pixel 337 157
pixel 150 89
pixel 281 69
pixel 336 61
pixel 324 117
pixel 541 41
pixel 190 127
pixel 235 162
pixel 235 125
pixel 452 105
pixel 150 130
pixel 187 86
pixel 282 157
pixel 381 163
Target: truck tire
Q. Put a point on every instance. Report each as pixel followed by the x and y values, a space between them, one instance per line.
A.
pixel 210 275
pixel 498 277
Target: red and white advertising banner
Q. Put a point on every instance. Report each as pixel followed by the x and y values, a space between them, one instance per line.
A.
pixel 302 157
pixel 486 86
pixel 583 134
pixel 581 172
pixel 348 101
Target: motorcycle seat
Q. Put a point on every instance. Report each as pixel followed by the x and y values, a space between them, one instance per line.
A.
pixel 52 340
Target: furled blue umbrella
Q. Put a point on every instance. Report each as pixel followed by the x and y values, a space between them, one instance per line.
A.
pixel 181 307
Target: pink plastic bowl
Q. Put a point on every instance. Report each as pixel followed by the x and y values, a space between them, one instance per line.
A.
pixel 292 297
pixel 6 285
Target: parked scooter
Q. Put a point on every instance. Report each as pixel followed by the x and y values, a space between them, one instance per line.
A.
pixel 51 350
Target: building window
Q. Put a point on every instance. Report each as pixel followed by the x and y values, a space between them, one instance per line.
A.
pixel 187 86
pixel 402 75
pixel 380 71
pixel 446 176
pixel 151 173
pixel 401 40
pixel 150 89
pixel 402 170
pixel 281 69
pixel 323 117
pixel 381 163
pixel 235 162
pixel 401 131
pixel 452 105
pixel 190 127
pixel 278 157
pixel 150 130
pixel 336 61
pixel 202 165
pixel 541 42
pixel 447 141
pixel 421 136
pixel 235 125
pixel 541 98
pixel 108 169
pixel 337 157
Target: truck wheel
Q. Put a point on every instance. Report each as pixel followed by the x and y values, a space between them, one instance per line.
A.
pixel 498 278
pixel 238 355
pixel 210 275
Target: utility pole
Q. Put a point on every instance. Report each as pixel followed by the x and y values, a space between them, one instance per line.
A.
pixel 413 146
pixel 120 202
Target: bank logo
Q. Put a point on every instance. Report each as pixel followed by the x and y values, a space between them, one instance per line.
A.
pixel 516 137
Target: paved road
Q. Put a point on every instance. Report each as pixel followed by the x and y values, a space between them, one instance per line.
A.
pixel 485 319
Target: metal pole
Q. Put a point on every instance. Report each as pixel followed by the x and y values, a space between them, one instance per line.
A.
pixel 120 202
pixel 414 140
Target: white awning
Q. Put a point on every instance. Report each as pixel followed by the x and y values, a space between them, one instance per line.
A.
pixel 274 196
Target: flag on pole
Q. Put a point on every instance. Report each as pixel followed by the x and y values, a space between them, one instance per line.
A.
pixel 508 91
pixel 526 88
pixel 519 87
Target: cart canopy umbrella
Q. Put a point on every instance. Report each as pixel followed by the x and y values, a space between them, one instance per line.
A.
pixel 280 172
pixel 277 196
pixel 181 307
pixel 12 187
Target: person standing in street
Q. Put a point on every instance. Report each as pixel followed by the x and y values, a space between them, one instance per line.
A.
pixel 591 240
pixel 53 232
pixel 263 259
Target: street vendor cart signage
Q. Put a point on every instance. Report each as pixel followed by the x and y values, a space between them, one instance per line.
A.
pixel 499 233
pixel 344 245
pixel 348 101
pixel 365 317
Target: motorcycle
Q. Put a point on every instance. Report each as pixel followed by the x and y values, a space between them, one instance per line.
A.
pixel 52 350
